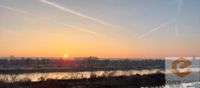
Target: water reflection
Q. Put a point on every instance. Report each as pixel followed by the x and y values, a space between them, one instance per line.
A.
pixel 71 75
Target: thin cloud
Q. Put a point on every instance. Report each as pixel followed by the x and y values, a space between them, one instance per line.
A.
pixel 179 8
pixel 176 26
pixel 153 30
pixel 13 9
pixel 75 12
pixel 180 3
pixel 45 18
pixel 86 30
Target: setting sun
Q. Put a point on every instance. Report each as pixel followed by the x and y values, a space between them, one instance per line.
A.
pixel 65 55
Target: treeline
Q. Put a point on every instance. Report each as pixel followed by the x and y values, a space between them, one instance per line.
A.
pixel 89 63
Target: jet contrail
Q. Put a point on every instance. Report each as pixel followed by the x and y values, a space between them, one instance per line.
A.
pixel 86 30
pixel 176 26
pixel 179 8
pixel 155 29
pixel 75 12
pixel 13 9
pixel 177 17
pixel 45 18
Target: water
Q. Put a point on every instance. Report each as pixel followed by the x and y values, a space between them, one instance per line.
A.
pixel 71 75
pixel 88 74
pixel 184 85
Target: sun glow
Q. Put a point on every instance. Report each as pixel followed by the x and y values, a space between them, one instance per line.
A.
pixel 65 55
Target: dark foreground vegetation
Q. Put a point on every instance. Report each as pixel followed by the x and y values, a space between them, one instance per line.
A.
pixel 135 81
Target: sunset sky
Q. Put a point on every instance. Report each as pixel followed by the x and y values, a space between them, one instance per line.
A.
pixel 102 28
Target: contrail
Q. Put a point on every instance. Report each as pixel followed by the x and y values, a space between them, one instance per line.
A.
pixel 179 8
pixel 75 12
pixel 155 29
pixel 177 17
pixel 176 26
pixel 86 30
pixel 45 18
pixel 13 9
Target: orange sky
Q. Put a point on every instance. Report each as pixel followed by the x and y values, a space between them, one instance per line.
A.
pixel 103 29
